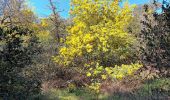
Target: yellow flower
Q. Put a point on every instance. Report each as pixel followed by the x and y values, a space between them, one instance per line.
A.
pixel 91 69
pixel 89 48
pixel 104 77
pixel 44 22
pixel 119 76
pixel 129 71
pixel 88 74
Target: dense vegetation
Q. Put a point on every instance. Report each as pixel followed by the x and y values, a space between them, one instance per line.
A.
pixel 106 50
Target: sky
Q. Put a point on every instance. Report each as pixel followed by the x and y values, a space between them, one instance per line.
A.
pixel 42 10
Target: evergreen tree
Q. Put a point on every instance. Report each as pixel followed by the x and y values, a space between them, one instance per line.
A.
pixel 16 53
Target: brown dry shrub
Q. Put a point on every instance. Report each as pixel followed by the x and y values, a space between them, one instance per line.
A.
pixel 77 79
pixel 128 84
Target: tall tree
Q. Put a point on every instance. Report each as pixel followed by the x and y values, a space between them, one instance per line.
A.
pixel 56 21
pixel 97 40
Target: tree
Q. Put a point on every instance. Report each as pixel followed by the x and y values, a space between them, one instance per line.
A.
pixel 96 29
pixel 10 9
pixel 97 41
pixel 155 35
pixel 57 23
pixel 16 54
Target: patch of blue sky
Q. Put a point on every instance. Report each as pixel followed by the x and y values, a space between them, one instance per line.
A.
pixel 42 10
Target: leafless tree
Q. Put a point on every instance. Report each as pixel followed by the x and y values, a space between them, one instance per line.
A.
pixel 56 20
pixel 11 13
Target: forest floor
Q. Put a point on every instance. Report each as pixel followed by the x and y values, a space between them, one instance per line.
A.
pixel 157 89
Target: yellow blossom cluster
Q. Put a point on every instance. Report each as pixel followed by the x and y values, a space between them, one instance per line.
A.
pixel 116 72
pixel 100 73
pixel 98 34
pixel 98 27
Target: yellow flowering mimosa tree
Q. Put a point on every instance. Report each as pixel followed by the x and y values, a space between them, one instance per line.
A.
pixel 97 37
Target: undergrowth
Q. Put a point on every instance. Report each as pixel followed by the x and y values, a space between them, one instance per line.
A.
pixel 150 90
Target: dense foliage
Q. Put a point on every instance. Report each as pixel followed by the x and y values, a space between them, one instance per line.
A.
pixel 107 49
pixel 17 52
pixel 97 33
pixel 97 41
pixel 155 35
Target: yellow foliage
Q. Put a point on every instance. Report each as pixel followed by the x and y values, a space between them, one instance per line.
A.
pixel 99 27
pixel 97 33
pixel 116 72
pixel 104 77
pixel 88 74
pixel 95 86
pixel 100 73
pixel 44 22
